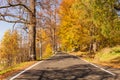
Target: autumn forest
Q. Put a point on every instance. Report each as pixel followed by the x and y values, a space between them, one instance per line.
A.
pixel 86 28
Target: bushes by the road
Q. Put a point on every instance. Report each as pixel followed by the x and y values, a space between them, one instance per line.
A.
pixel 109 55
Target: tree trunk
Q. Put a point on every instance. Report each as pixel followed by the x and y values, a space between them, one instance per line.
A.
pixel 94 47
pixel 40 49
pixel 32 30
pixel 54 41
pixel 90 48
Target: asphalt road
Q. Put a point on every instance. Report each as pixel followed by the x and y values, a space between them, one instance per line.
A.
pixel 65 67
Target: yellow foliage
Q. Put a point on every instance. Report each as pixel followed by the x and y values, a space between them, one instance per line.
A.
pixel 10 43
pixel 41 35
pixel 48 51
pixel 9 47
pixel 73 32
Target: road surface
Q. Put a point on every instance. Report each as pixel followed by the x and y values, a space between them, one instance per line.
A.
pixel 64 67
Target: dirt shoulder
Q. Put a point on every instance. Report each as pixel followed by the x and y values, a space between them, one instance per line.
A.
pixel 16 69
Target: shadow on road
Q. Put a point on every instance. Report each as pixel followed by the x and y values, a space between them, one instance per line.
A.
pixel 73 72
pixel 76 72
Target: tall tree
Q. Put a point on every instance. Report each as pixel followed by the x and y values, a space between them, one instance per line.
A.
pixel 73 29
pixel 19 11
pixel 89 22
pixel 49 12
pixel 105 17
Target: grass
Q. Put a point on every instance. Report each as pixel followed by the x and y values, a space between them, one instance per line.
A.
pixel 110 56
pixel 107 57
pixel 6 72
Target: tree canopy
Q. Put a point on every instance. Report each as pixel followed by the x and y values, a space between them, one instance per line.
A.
pixel 88 23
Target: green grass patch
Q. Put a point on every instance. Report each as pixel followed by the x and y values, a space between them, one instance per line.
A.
pixel 110 56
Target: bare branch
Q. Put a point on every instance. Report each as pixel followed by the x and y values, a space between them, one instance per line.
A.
pixel 2 18
pixel 17 21
pixel 13 5
pixel 11 15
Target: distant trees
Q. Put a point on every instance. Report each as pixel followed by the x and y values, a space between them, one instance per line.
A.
pixel 10 47
pixel 49 12
pixel 88 25
pixel 14 48
pixel 42 39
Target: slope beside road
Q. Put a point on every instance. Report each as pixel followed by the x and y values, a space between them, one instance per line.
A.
pixel 64 67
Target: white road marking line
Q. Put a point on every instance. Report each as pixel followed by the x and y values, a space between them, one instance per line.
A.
pixel 99 67
pixel 53 55
pixel 25 70
pixel 28 69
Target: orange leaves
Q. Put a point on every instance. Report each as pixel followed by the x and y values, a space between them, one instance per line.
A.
pixel 65 6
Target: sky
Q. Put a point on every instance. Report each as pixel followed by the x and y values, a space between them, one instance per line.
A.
pixel 4 26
